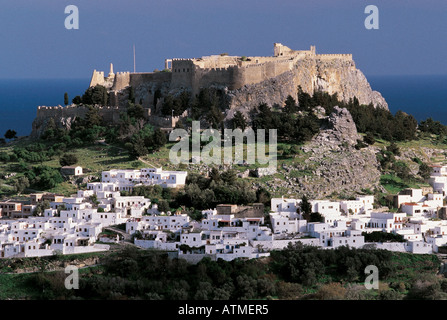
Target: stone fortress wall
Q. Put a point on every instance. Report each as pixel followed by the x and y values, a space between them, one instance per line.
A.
pixel 223 70
pixel 248 80
pixel 109 114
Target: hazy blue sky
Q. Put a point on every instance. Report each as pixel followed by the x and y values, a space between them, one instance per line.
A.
pixel 35 44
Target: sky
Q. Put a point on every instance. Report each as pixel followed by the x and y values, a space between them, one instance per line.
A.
pixel 34 42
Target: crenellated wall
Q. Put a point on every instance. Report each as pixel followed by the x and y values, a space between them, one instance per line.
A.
pixel 97 78
pixel 182 73
pixel 64 116
pixel 327 57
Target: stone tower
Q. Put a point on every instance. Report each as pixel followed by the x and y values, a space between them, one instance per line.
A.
pixel 111 74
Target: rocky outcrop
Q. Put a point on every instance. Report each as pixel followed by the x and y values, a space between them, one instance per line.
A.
pixel 337 128
pixel 334 164
pixel 333 76
pixel 341 77
pixel 272 92
pixel 330 163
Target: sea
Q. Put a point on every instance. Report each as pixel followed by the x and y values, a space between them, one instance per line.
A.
pixel 19 99
pixel 422 96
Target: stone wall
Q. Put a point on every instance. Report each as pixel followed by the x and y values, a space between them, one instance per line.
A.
pixel 97 78
pixel 65 116
pixel 347 57
pixel 182 73
pixel 122 80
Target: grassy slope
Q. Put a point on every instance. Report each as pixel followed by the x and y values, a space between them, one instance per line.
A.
pixel 97 158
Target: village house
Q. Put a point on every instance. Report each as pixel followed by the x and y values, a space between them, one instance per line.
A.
pixel 72 170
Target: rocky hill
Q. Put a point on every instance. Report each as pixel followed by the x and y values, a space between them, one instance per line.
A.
pixel 331 163
pixel 334 76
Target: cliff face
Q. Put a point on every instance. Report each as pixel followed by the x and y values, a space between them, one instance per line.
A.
pixel 312 74
pixel 272 91
pixel 342 77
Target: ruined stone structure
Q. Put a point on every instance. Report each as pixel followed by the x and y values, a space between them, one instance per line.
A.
pixel 244 81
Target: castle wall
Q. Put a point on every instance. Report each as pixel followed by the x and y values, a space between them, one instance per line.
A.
pixel 327 57
pixel 64 116
pixel 182 73
pixel 217 61
pixel 214 76
pixel 255 73
pixel 146 84
pixel 60 112
pixel 73 111
pixel 97 78
pixel 122 80
pixel 137 79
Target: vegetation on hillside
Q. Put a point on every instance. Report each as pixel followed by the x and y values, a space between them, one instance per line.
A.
pixel 296 123
pixel 297 272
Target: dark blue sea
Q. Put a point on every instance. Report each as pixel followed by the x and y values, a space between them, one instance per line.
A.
pixel 19 99
pixel 421 96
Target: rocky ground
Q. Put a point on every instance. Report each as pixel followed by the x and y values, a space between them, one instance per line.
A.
pixel 332 166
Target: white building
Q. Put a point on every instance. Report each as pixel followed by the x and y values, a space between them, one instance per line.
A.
pixel 125 180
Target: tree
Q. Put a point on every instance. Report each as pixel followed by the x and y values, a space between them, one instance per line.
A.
pixel 229 177
pixel 44 177
pixel 369 138
pixel 304 100
pixel 95 95
pixel 138 147
pixel 215 174
pixel 331 291
pixel 92 117
pixel 401 169
pixel 215 117
pixel 21 184
pixel 68 159
pixel 290 105
pixel 94 199
pixel 77 100
pixel 424 171
pixel 305 208
pixel 40 207
pixel 239 121
pixel 157 96
pixel 10 134
pixel 169 106
pixel 394 149
pixel 163 206
pixel 132 95
pixel 158 139
pixel 66 98
pixel 306 127
pixel 135 111
pixel 316 217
